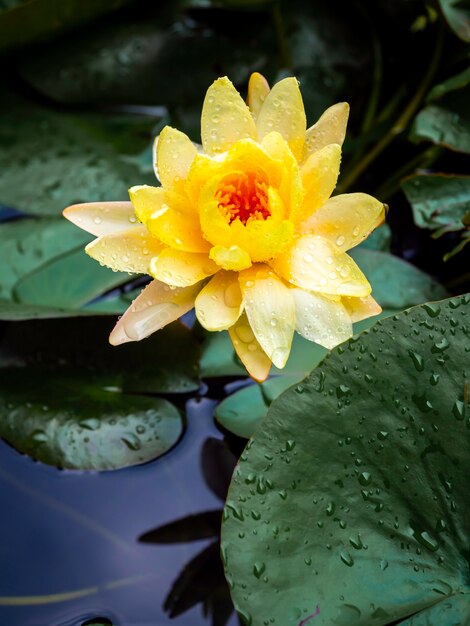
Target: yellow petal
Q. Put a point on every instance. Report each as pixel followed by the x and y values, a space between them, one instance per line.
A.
pixel 233 258
pixel 147 201
pixel 258 90
pixel 178 229
pixel 181 269
pixel 290 186
pixel 283 111
pixel 219 304
pixel 174 155
pixel 261 239
pixel 361 308
pixel 225 118
pixel 319 176
pixel 249 350
pixel 270 308
pixel 102 218
pixel 346 220
pixel 321 319
pixel 155 307
pixel 316 264
pixel 127 251
pixel 330 128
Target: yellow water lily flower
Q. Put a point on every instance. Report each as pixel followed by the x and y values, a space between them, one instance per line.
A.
pixel 243 228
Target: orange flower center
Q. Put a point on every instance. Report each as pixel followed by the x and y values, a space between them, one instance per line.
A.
pixel 243 196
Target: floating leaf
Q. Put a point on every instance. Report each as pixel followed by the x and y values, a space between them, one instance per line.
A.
pixel 242 411
pixel 457 14
pixel 446 124
pixel 51 284
pixel 53 160
pixel 439 201
pixel 15 311
pixel 71 420
pixel 396 284
pixel 350 505
pixel 28 244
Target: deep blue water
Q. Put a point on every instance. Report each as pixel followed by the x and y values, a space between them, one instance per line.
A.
pixel 76 533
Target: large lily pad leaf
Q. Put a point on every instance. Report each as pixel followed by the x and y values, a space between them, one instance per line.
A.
pixel 16 311
pixel 242 411
pixel 457 14
pixel 67 419
pixel 53 160
pixel 439 202
pixel 349 507
pixel 447 123
pixel 27 244
pixel 396 284
pixel 69 281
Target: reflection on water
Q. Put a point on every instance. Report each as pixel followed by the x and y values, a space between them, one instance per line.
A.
pixel 69 547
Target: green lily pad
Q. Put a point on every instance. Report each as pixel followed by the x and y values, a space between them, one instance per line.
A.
pixel 457 14
pixel 438 201
pixel 28 244
pixel 51 284
pixel 15 312
pixel 242 411
pixel 349 507
pixel 447 123
pixel 71 420
pixel 396 284
pixel 53 160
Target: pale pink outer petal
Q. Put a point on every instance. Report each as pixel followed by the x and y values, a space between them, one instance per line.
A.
pixel 320 319
pixel 249 351
pixel 102 218
pixel 126 251
pixel 155 307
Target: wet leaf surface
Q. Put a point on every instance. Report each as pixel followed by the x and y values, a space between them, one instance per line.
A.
pixel 69 420
pixel 350 504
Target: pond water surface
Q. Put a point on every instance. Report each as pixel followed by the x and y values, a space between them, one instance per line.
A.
pixel 69 540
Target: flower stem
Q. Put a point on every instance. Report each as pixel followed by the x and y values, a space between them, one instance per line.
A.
pixel 401 123
pixel 285 57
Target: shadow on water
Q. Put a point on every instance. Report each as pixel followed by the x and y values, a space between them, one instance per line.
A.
pixel 69 548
